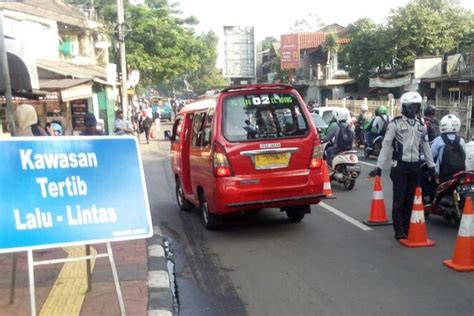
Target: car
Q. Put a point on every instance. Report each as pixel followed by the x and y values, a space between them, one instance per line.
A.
pixel 320 124
pixel 247 148
pixel 165 111
pixel 326 112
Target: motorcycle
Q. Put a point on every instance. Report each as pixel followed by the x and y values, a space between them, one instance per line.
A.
pixel 375 149
pixel 359 135
pixel 450 195
pixel 344 168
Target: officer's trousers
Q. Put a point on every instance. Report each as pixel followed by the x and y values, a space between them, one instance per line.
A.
pixel 405 177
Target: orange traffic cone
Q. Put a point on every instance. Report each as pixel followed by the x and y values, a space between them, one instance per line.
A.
pixel 378 215
pixel 417 236
pixel 463 258
pixel 327 183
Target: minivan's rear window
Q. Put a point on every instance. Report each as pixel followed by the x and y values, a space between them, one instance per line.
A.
pixel 258 116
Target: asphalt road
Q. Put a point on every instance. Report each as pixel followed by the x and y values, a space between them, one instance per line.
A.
pixel 259 264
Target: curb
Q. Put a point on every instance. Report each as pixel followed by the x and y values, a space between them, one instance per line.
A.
pixel 160 294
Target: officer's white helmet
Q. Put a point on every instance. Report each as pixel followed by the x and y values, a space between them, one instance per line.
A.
pixel 410 104
pixel 341 115
pixel 450 124
pixel 364 107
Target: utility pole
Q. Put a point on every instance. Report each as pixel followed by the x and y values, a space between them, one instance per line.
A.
pixel 5 77
pixel 123 62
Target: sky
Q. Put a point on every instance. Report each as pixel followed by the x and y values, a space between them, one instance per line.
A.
pixel 275 17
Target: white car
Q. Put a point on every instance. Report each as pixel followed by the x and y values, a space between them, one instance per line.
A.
pixel 326 112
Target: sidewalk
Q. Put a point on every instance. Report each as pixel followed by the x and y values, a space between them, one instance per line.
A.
pixel 61 288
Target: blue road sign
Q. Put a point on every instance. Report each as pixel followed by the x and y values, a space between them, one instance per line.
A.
pixel 59 191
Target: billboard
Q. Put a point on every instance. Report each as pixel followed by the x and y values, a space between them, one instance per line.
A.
pixel 60 191
pixel 428 67
pixel 290 51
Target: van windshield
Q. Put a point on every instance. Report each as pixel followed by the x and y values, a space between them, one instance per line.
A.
pixel 257 116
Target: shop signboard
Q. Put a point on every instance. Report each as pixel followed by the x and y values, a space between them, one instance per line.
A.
pixel 290 51
pixel 61 191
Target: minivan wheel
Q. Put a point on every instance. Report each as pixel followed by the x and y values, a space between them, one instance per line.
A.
pixel 295 214
pixel 211 221
pixel 183 204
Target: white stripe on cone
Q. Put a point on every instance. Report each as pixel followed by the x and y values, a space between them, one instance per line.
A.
pixel 417 217
pixel 466 228
pixel 377 195
pixel 418 200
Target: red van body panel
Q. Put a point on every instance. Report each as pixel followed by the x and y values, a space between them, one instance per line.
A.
pixel 248 186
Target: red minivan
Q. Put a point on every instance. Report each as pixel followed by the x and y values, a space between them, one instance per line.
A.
pixel 247 148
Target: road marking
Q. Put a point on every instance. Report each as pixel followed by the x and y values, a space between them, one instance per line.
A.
pixel 367 163
pixel 344 216
pixel 158 279
pixel 69 291
pixel 159 312
pixel 156 251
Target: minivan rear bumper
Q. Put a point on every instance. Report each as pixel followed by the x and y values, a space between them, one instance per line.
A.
pixel 305 199
pixel 237 194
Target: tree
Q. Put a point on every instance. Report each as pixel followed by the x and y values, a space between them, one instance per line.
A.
pixel 310 23
pixel 368 51
pixel 331 45
pixel 206 76
pixel 427 28
pixel 161 43
pixel 268 42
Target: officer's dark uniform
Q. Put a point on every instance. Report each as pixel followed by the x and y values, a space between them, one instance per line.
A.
pixel 405 142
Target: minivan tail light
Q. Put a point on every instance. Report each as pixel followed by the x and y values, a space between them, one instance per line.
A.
pixel 220 161
pixel 317 158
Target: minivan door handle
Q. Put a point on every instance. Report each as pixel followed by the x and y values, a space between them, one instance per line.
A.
pixel 186 132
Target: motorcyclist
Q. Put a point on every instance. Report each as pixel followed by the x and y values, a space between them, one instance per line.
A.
pixel 405 143
pixel 446 167
pixel 378 126
pixel 362 122
pixel 431 123
pixel 341 136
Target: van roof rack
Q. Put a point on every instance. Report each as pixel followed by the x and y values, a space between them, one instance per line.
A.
pixel 257 87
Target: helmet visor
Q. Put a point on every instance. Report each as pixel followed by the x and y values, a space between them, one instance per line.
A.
pixel 410 110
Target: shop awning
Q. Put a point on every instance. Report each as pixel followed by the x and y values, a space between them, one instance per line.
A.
pixel 59 84
pixel 71 71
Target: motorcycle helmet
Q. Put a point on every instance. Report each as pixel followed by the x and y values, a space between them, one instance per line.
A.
pixel 450 124
pixel 364 108
pixel 340 115
pixel 57 129
pixel 429 110
pixel 382 110
pixel 410 104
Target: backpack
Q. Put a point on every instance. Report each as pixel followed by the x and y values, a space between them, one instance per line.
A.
pixel 454 157
pixel 385 125
pixel 344 138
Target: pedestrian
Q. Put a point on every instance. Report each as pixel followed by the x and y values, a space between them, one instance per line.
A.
pixel 27 121
pixel 146 122
pixel 431 123
pixel 121 125
pixel 405 144
pixel 90 126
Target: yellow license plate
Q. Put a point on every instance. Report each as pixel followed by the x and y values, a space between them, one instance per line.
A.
pixel 268 161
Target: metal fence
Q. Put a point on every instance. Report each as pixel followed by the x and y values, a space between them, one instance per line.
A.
pixel 463 110
pixel 354 105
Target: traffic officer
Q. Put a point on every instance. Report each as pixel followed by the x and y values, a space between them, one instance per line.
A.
pixel 406 144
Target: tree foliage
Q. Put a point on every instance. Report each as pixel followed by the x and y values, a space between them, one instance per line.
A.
pixel 309 23
pixel 427 28
pixel 162 44
pixel 421 28
pixel 368 50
